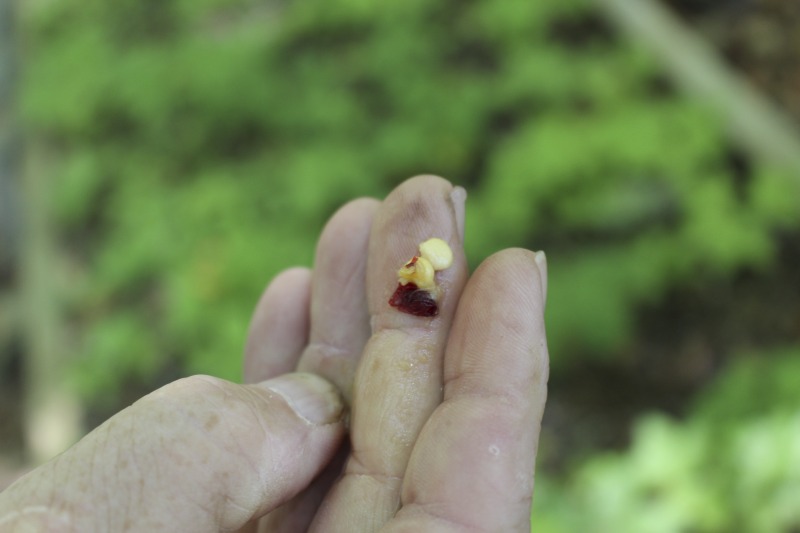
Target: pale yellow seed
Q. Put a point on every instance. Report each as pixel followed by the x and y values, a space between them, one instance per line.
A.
pixel 420 274
pixel 437 252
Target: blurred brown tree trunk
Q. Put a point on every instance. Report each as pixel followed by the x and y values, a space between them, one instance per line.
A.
pixel 51 410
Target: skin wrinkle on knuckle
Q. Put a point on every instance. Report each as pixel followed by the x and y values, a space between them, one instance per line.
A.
pixel 454 520
pixel 357 468
pixel 321 350
pixel 230 512
pixel 333 362
pixel 412 331
pixel 262 425
pixel 385 321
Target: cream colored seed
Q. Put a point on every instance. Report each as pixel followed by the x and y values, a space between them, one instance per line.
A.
pixel 437 252
pixel 420 273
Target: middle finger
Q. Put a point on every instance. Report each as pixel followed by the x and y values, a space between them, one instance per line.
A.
pixel 399 379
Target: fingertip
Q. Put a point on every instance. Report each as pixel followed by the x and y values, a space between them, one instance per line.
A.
pixel 418 209
pixel 292 277
pixel 498 335
pixel 425 180
pixel 352 213
pixel 433 190
pixel 339 318
pixel 279 328
pixel 515 270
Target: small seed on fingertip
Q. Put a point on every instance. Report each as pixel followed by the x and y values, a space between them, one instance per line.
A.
pixel 417 293
pixel 437 252
pixel 418 271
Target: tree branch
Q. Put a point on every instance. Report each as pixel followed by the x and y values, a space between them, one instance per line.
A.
pixel 754 122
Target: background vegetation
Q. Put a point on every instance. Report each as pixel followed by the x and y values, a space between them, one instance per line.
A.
pixel 197 147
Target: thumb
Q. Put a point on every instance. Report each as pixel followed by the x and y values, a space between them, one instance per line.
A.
pixel 200 454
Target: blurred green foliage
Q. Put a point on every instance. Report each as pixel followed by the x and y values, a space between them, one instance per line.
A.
pixel 733 466
pixel 201 146
pixel 205 143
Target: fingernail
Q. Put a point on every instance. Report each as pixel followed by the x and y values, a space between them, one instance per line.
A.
pixel 541 263
pixel 458 197
pixel 313 398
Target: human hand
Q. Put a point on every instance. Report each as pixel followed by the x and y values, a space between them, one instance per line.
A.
pixel 445 411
